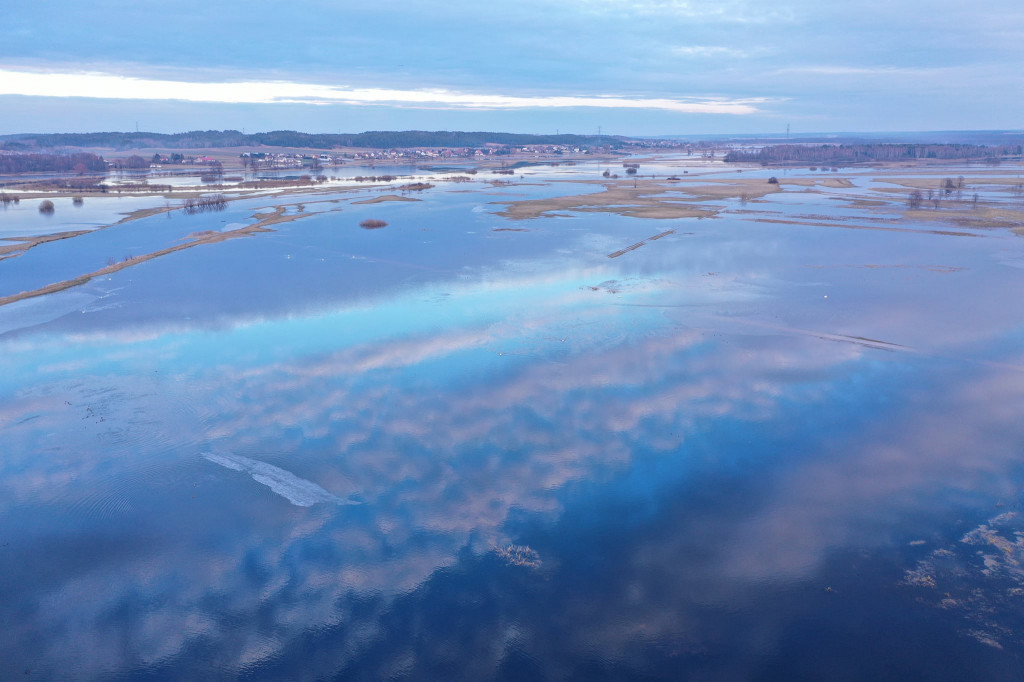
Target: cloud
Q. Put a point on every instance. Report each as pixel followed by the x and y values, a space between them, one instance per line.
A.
pixel 708 51
pixel 723 11
pixel 113 86
pixel 872 71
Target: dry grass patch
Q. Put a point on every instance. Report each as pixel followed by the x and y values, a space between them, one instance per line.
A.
pixel 835 183
pixel 640 202
pixel 983 217
pixel 386 197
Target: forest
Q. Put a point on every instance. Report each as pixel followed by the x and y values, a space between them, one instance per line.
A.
pixel 833 154
pixel 40 163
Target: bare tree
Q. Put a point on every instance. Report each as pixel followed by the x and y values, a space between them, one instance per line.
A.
pixel 914 199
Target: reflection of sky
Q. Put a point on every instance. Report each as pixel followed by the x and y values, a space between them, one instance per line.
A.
pixel 685 455
pixel 25 220
pixel 441 447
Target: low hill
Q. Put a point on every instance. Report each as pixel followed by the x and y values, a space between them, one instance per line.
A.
pixel 380 139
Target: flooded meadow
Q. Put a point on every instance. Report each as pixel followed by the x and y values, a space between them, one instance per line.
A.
pixel 682 423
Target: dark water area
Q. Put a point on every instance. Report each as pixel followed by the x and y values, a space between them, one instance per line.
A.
pixel 745 450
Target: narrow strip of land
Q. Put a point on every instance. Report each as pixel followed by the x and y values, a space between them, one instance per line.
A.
pixel 23 244
pixel 264 221
pixel 950 233
pixel 640 243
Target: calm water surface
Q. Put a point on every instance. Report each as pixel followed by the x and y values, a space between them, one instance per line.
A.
pixel 746 450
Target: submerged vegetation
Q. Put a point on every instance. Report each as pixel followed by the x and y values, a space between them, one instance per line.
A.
pixel 213 202
pixel 375 178
pixel 949 188
pixel 371 224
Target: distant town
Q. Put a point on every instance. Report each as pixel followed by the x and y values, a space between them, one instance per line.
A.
pixel 278 160
pixel 93 152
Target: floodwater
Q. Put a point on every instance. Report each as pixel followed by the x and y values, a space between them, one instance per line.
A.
pixel 744 450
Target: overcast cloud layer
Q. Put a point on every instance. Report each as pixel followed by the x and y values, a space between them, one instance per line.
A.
pixel 632 67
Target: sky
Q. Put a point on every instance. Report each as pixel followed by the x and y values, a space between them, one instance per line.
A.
pixel 626 67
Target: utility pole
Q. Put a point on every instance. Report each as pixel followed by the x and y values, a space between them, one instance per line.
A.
pixel 787 131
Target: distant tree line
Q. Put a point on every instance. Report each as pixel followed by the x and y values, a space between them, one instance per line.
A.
pixel 41 163
pixel 133 162
pixel 289 138
pixel 135 140
pixel 859 153
pixel 173 158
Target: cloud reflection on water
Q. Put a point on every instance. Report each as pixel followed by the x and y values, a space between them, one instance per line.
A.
pixel 441 434
pixel 455 425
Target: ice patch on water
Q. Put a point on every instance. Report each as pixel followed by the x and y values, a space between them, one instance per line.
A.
pixel 296 490
pixel 98 307
pixel 41 309
pixel 1011 260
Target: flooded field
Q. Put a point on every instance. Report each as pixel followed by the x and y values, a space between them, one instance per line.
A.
pixel 551 425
